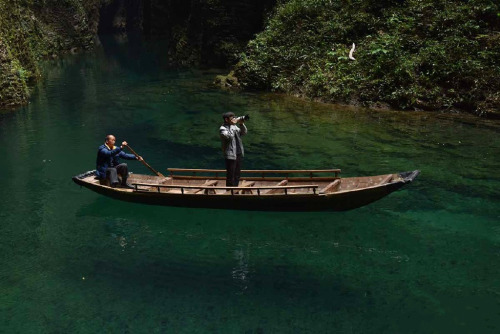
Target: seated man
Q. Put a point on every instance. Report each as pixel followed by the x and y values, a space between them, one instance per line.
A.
pixel 109 166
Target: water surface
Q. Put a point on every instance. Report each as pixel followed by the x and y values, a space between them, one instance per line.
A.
pixel 425 259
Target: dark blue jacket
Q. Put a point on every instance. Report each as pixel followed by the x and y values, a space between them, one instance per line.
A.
pixel 105 157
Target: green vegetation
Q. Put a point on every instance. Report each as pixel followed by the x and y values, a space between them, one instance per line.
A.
pixel 31 30
pixel 201 32
pixel 415 54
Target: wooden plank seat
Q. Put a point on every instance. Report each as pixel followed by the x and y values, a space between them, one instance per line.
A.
pixel 275 191
pixel 331 187
pixel 208 183
pixel 243 183
pixel 246 184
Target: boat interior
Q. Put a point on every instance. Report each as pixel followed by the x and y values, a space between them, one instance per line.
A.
pixel 252 182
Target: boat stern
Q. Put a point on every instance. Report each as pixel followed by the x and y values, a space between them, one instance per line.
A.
pixel 78 179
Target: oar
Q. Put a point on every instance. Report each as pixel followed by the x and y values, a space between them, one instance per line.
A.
pixel 144 162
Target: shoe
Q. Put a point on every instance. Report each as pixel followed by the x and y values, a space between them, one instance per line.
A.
pixel 127 186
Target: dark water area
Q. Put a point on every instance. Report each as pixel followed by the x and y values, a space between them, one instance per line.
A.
pixel 425 259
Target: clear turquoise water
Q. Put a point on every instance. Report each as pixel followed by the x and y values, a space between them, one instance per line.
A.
pixel 425 259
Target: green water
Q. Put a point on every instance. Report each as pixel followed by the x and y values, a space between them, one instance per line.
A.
pixel 425 259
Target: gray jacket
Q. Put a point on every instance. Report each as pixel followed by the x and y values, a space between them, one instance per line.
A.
pixel 230 135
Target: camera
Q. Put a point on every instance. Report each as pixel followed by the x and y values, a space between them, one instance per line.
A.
pixel 243 118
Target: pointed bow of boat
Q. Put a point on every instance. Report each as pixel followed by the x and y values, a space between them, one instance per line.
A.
pixel 409 176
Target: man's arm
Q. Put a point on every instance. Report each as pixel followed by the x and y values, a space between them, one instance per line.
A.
pixel 108 153
pixel 225 133
pixel 127 156
pixel 243 129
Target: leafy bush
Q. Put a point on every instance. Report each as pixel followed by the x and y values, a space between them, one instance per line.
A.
pixel 416 54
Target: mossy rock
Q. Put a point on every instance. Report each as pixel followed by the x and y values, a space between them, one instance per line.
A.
pixel 229 81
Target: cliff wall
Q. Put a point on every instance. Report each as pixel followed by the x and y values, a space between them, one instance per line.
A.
pixel 31 30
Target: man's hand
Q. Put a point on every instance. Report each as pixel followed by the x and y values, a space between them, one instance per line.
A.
pixel 124 143
pixel 140 158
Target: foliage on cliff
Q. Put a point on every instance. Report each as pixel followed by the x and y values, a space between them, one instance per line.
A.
pixel 33 29
pixel 415 54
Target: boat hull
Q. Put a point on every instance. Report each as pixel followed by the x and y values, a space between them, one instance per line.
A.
pixel 339 201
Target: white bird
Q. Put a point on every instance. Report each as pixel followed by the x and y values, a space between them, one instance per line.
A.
pixel 352 51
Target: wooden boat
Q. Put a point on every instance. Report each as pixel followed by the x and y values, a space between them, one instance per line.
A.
pixel 264 190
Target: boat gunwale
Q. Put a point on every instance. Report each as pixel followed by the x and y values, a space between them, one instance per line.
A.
pixel 314 187
pixel 174 186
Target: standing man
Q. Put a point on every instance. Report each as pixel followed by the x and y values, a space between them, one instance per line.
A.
pixel 232 146
pixel 108 163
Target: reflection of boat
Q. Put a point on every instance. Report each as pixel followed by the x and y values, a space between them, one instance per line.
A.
pixel 266 190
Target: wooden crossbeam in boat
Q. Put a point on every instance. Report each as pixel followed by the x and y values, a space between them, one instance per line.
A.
pixel 208 183
pixel 166 179
pixel 331 187
pixel 245 184
pixel 386 179
pixel 275 191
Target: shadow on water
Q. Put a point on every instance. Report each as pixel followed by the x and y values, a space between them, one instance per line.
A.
pixel 183 276
pixel 204 256
pixel 331 266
